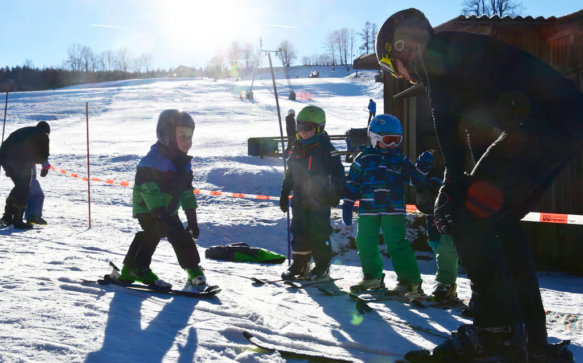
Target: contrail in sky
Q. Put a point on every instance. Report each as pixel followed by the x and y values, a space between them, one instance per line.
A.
pixel 107 26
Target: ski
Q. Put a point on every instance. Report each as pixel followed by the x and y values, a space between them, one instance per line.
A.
pixel 300 284
pixel 294 283
pixel 207 293
pixel 289 352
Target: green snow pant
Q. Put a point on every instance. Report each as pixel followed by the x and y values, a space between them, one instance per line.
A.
pixel 394 232
pixel 447 259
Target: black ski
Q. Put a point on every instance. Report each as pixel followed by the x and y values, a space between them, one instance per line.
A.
pixel 289 352
pixel 300 284
pixel 207 293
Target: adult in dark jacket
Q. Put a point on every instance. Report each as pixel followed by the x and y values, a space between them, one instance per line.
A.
pixel 23 149
pixel 316 175
pixel 290 128
pixel 478 80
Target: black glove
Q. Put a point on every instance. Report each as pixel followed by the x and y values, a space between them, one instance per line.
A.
pixel 347 213
pixel 192 222
pixel 44 172
pixel 448 200
pixel 284 200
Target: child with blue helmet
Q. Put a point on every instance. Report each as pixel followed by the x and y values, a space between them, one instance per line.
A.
pixel 376 179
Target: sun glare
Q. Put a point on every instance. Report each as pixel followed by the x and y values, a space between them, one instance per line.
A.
pixel 208 25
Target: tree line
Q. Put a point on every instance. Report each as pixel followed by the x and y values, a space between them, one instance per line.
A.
pixel 83 65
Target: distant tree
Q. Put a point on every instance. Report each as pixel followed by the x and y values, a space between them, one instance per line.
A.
pixel 492 7
pixel 87 59
pixel 233 54
pixel 73 61
pixel 367 35
pixel 248 54
pixel 288 53
pixel 306 61
pixel 122 59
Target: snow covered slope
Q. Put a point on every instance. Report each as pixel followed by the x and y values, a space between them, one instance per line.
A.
pixel 47 315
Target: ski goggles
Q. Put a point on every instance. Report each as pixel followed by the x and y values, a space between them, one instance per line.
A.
pixel 388 64
pixel 387 140
pixel 305 126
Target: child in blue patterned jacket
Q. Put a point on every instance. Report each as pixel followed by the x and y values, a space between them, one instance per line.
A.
pixel 376 179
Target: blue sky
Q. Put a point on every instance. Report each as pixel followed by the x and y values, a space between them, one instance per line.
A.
pixel 190 32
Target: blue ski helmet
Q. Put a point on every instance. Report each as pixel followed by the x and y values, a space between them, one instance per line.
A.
pixel 167 123
pixel 382 127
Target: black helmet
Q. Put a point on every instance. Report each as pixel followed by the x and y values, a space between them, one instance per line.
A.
pixel 44 126
pixel 167 123
pixel 426 193
pixel 399 37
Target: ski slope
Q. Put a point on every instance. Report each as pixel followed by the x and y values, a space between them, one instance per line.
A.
pixel 47 315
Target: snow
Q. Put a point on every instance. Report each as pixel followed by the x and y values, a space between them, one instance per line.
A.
pixel 48 315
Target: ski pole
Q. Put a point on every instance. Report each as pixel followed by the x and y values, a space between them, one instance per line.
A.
pixel 282 151
pixel 4 124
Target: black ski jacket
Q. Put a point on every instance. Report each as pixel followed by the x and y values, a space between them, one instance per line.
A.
pixel 475 80
pixel 315 173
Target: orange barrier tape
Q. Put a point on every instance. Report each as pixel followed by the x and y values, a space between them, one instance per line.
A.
pixel 410 208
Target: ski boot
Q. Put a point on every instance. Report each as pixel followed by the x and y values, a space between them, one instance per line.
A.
pixel 145 276
pixel 319 272
pixel 299 268
pixel 484 344
pixel 196 276
pixel 367 283
pixel 36 219
pixel 17 222
pixel 551 353
pixel 444 293
pixel 407 289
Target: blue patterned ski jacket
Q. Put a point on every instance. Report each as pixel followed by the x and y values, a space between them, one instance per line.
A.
pixel 377 178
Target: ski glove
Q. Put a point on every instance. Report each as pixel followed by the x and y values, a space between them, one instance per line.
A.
pixel 448 201
pixel 425 161
pixel 284 200
pixel 347 213
pixel 44 171
pixel 192 222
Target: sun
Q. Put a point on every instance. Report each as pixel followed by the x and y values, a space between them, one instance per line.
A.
pixel 204 25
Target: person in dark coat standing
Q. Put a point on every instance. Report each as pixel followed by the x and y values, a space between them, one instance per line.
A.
pixel 473 79
pixel 372 110
pixel 290 128
pixel 19 152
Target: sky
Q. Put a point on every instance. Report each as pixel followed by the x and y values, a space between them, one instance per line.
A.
pixel 191 32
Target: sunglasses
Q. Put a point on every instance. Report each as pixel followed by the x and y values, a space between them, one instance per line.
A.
pixel 389 65
pixel 305 126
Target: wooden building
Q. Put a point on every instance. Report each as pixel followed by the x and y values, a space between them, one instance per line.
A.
pixel 557 41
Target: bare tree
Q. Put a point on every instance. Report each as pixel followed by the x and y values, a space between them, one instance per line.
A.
pixel 247 54
pixel 365 34
pixel 73 61
pixel 288 53
pixel 87 59
pixel 122 60
pixel 306 61
pixel 492 7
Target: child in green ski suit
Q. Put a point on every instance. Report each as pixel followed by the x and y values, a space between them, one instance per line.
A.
pixel 163 184
pixel 376 179
pixel 442 244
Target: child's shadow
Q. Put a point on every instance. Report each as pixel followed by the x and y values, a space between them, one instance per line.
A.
pixel 126 341
pixel 367 328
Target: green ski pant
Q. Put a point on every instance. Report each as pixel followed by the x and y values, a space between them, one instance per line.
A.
pixel 395 233
pixel 447 259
